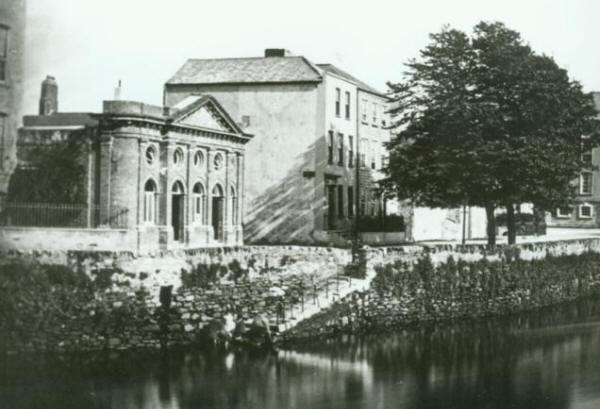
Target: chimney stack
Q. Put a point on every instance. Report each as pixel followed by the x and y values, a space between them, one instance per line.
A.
pixel 277 52
pixel 49 96
pixel 118 92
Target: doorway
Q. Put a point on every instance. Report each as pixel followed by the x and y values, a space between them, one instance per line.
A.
pixel 177 201
pixel 217 212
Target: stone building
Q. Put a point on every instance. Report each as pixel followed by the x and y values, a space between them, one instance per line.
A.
pixel 585 210
pixel 12 44
pixel 154 178
pixel 301 183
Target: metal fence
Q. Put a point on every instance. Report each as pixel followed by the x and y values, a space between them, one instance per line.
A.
pixel 60 215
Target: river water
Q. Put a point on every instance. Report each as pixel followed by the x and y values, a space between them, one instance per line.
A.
pixel 547 359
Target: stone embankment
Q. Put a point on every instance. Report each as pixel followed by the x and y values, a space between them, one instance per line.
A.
pixel 88 301
pixel 415 285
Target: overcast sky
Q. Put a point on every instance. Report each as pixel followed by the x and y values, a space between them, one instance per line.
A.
pixel 89 45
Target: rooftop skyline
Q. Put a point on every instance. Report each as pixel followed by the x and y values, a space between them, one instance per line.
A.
pixel 90 46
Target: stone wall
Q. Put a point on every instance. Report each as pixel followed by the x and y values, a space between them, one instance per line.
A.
pixel 415 284
pixel 71 301
pixel 101 300
pixel 63 239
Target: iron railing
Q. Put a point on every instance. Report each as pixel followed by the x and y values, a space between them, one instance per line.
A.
pixel 68 215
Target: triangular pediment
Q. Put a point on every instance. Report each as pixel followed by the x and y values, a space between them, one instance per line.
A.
pixel 204 112
pixel 202 117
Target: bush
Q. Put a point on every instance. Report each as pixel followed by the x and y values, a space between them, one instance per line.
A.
pixel 474 286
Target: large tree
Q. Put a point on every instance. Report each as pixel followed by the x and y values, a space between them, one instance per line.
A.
pixel 483 120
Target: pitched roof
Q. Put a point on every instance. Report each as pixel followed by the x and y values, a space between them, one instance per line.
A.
pixel 61 119
pixel 339 72
pixel 246 70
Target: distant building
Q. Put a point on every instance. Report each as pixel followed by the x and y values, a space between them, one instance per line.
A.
pixel 311 118
pixel 585 211
pixel 12 44
pixel 152 179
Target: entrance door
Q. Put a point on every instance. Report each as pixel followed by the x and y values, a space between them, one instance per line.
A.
pixel 217 217
pixel 177 200
pixel 218 202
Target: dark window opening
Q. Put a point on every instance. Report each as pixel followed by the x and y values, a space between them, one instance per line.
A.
pixel 350 201
pixel 330 148
pixel 347 105
pixel 350 151
pixel 340 149
pixel 340 201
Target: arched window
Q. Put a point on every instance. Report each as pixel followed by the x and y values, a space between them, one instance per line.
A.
pixel 150 199
pixel 217 191
pixel 233 211
pixel 177 188
pixel 199 203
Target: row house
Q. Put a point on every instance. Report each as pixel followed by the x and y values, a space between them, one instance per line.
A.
pixel 312 120
pixel 584 212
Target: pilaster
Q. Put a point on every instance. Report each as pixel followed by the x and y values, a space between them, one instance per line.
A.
pixel 106 146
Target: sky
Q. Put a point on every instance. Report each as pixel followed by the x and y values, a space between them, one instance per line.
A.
pixel 90 45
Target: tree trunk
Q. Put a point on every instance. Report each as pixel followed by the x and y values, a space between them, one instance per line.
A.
pixel 491 225
pixel 510 223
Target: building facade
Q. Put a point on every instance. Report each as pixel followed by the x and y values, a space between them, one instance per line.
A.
pixel 12 45
pixel 301 185
pixel 158 178
pixel 584 212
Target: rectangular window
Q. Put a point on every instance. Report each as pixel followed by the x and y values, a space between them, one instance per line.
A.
pixel 350 151
pixel 585 211
pixel 330 206
pixel 585 183
pixel 199 208
pixel 373 156
pixel 340 201
pixel 330 148
pixel 350 201
pixel 563 212
pixel 347 105
pixel 150 207
pixel 3 51
pixel 337 101
pixel 340 149
pixel 374 114
pixel 364 110
pixel 363 153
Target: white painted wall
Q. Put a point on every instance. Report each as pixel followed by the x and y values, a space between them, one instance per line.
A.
pixel 446 224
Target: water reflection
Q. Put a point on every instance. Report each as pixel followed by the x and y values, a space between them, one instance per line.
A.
pixel 544 360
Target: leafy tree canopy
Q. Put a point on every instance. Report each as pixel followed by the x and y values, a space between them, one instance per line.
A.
pixel 484 120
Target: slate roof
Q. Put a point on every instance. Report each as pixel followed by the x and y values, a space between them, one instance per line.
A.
pixel 59 119
pixel 246 70
pixel 339 72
